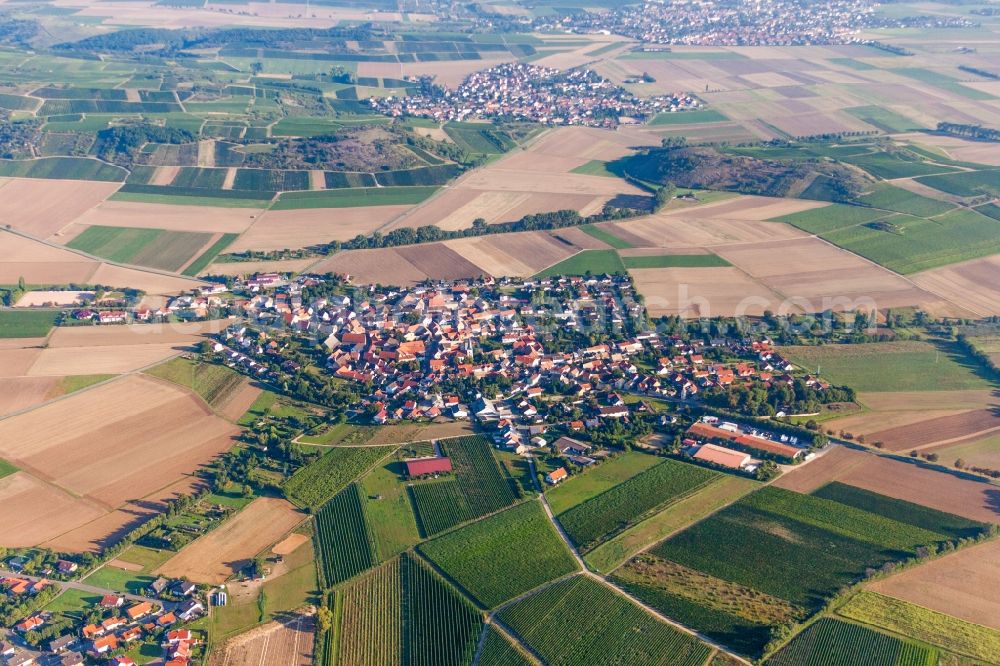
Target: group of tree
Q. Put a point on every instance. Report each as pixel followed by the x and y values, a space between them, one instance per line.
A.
pixel 974 132
pixel 120 143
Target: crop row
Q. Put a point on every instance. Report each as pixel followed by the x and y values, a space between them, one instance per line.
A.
pixel 484 485
pixel 481 556
pixel 831 642
pixel 498 652
pixel 614 510
pixel 428 175
pixel 579 621
pixel 371 628
pixel 346 546
pixel 316 483
pixel 440 505
pixel 440 627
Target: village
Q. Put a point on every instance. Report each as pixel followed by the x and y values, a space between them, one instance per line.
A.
pixel 538 94
pixel 112 628
pixel 739 23
pixel 506 355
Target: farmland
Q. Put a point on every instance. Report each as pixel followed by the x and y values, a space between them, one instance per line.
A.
pixel 600 517
pixel 829 642
pixel 372 625
pixel 582 487
pixel 480 556
pixel 214 383
pixel 315 484
pixel 26 324
pixel 479 487
pixel 559 624
pixel 156 248
pixel 498 652
pixel 346 547
pixel 355 197
pixel 440 627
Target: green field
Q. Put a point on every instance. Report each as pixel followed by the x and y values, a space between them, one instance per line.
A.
pixel 598 168
pixel 582 486
pixel 943 81
pixel 371 623
pixel 6 469
pixel 891 366
pixel 676 516
pixel 580 621
pixel 966 183
pixel 26 323
pixel 185 200
pixel 213 382
pixel 676 261
pixel 883 118
pixel 586 261
pixel 890 197
pixel 63 168
pixel 828 218
pixel 480 557
pixel 689 117
pixel 315 484
pixel 602 516
pixel 305 126
pixel 346 546
pixel 929 626
pixel 605 236
pixel 202 262
pixel 498 651
pixel 350 198
pixel 390 518
pixel 916 244
pixel 157 248
pixel 831 642
pixel 440 628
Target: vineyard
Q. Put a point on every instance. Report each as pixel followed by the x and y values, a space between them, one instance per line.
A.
pixel 943 523
pixel 440 627
pixel 372 625
pixel 498 652
pixel 402 612
pixel 834 643
pixel 479 487
pixel 614 510
pixel 440 505
pixel 482 557
pixel 316 483
pixel 580 622
pixel 346 546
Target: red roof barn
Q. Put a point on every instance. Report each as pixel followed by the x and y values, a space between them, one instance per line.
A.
pixel 421 466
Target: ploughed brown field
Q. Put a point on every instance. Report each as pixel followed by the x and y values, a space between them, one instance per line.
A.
pixel 287 641
pixel 43 207
pixel 118 443
pixel 944 491
pixel 225 550
pixel 938 431
pixel 962 584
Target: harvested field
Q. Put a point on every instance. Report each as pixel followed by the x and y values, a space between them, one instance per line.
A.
pixel 457 207
pixel 513 180
pixel 703 292
pixel 98 360
pixel 90 446
pixel 971 284
pixel 16 362
pixel 250 267
pixel 39 263
pixel 521 254
pixel 39 298
pixel 225 550
pixel 382 266
pixel 17 393
pixel 43 207
pixel 32 511
pixel 438 261
pixel 866 423
pixel 928 400
pixel 280 229
pixel 182 335
pixel 821 276
pixel 959 149
pixel 170 217
pixel 579 238
pixel 289 544
pixel 165 174
pixel 961 584
pixel 938 431
pixel 151 283
pixel 903 480
pixel 239 401
pixel 287 641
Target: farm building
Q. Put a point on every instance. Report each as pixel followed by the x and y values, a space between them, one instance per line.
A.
pixel 421 466
pixel 719 455
pixel 706 431
pixel 556 475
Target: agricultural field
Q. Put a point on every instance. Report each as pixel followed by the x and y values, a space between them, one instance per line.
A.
pixel 829 642
pixel 345 543
pixel 479 487
pixel 316 484
pixel 587 262
pixel 891 366
pixel 602 516
pixel 480 557
pixel 156 248
pixel 227 549
pixel 582 487
pixel 735 591
pixel 558 624
pixel 391 519
pixel 288 639
pixel 216 384
pixel 497 651
pixel 403 607
pixel 26 324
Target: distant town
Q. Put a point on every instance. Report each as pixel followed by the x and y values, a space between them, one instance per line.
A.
pixel 539 94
